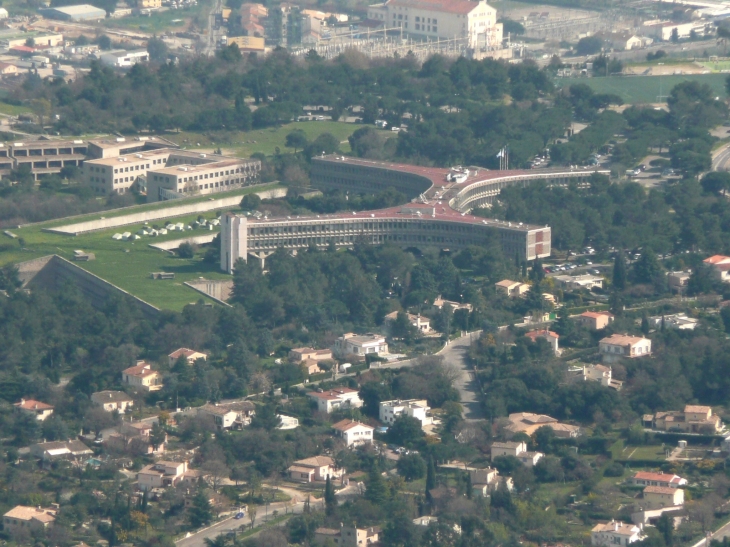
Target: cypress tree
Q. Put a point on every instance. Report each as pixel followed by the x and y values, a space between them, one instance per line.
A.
pixel 430 478
pixel 330 501
pixel 376 491
pixel 619 271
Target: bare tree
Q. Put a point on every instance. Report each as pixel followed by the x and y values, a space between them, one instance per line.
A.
pixel 703 511
pixel 252 510
pixel 217 470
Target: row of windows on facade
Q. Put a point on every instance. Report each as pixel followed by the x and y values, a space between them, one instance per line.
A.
pixel 195 188
pixel 358 226
pixel 275 243
pixel 204 176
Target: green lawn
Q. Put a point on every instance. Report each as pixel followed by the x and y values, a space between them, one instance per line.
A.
pixel 245 143
pixel 645 89
pixel 126 264
pixel 157 22
pixel 12 109
pixel 651 452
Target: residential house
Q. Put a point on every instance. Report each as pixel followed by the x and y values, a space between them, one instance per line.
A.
pixel 720 267
pixel 142 377
pixel 455 306
pixel 595 320
pixel 678 281
pixel 165 473
pixel 317 468
pixel 616 533
pixel 354 433
pixel 622 346
pixel 134 438
pixel 549 336
pixel 678 321
pixel 340 397
pixel 693 419
pixel 422 324
pixel 40 410
pixel 516 449
pixel 229 415
pixel 366 344
pixel 297 355
pixel 573 283
pixel 512 288
pixel 7 69
pixel 347 536
pixel 190 356
pixel 596 373
pixel 29 518
pixel 527 422
pixel 61 450
pixel 625 41
pixel 415 408
pixel 310 366
pixel 112 400
pixel 647 478
pixel 485 480
pixel 658 497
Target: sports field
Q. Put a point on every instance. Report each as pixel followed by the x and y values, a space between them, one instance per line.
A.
pixel 126 264
pixel 646 89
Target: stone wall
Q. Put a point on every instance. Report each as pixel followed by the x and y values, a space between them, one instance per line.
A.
pixel 157 214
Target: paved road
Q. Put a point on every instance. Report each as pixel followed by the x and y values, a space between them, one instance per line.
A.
pixel 456 354
pixel 721 533
pixel 198 539
pixel 721 158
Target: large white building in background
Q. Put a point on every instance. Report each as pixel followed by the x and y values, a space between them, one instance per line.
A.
pixel 441 19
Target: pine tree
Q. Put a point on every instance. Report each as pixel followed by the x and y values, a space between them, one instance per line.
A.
pixel 619 271
pixel 330 501
pixel 376 491
pixel 430 478
pixel 201 512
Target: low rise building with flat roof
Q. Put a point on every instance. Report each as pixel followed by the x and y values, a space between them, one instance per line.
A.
pixel 422 324
pixel 360 344
pixel 79 12
pixel 679 321
pixel 120 58
pixel 585 281
pixel 389 411
pixel 111 147
pixel 596 373
pixel 297 355
pixel 336 398
pixel 60 450
pixel 229 415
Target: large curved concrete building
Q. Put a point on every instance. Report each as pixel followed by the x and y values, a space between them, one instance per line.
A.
pixel 437 216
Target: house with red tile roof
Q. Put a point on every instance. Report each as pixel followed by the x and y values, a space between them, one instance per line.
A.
pixel 141 376
pixel 548 335
pixel 720 267
pixel 190 356
pixel 595 320
pixel 648 478
pixel 354 433
pixel 40 410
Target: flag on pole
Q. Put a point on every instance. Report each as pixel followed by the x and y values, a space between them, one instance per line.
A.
pixel 501 153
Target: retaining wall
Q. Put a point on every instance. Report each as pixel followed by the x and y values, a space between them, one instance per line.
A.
pixel 157 214
pixel 219 290
pixel 175 243
pixel 54 271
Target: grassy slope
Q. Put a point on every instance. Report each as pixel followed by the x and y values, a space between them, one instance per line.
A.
pixel 241 143
pixel 128 270
pixel 645 89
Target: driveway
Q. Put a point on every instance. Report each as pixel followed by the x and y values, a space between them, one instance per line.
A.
pixel 456 354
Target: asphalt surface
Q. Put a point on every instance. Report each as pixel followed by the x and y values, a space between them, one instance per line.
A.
pixel 456 354
pixel 721 159
pixel 228 525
